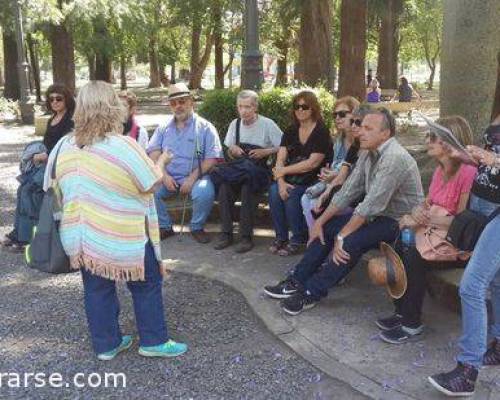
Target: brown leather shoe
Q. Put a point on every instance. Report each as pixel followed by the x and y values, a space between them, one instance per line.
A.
pixel 166 233
pixel 200 236
pixel 244 245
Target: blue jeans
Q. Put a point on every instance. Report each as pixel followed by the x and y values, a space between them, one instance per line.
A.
pixel 102 307
pixel 318 279
pixel 483 271
pixel 288 214
pixel 202 195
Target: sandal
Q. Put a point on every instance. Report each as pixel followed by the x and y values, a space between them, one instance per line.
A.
pixel 277 245
pixel 290 249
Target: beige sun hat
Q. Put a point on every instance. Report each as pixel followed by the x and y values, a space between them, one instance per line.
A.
pixel 388 270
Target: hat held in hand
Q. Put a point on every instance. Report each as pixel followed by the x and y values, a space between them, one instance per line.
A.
pixel 388 270
pixel 178 90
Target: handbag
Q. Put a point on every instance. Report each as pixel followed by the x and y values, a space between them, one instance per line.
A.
pixel 466 228
pixel 45 252
pixel 431 241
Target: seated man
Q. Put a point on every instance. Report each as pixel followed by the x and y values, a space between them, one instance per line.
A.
pixel 388 176
pixel 196 147
pixel 255 137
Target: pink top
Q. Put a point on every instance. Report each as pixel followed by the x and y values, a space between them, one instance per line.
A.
pixel 447 194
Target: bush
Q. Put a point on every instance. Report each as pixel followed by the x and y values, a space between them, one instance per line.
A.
pixel 219 106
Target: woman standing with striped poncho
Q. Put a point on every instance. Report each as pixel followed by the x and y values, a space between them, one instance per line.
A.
pixel 109 226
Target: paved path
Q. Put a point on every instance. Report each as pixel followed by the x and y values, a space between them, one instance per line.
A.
pixel 232 354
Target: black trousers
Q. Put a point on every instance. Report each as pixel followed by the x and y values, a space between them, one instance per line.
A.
pixel 227 196
pixel 410 305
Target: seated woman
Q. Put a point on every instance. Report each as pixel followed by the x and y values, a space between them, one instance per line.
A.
pixel 61 104
pixel 405 91
pixel 304 149
pixel 450 188
pixel 131 127
pixel 373 91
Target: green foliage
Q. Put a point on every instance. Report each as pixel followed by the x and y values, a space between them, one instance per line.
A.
pixel 219 106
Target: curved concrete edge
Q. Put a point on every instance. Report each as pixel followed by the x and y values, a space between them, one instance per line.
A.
pixel 284 331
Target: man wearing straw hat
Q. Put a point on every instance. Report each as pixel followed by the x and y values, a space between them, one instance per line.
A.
pixel 388 177
pixel 195 146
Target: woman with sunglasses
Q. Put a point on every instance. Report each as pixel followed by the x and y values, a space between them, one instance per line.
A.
pixel 482 272
pixel 61 104
pixel 304 149
pixel 450 188
pixel 342 115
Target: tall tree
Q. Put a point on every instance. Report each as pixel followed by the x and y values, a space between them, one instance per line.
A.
pixel 388 45
pixel 12 90
pixel 315 43
pixel 63 51
pixel 468 70
pixel 199 60
pixel 353 49
pixel 496 103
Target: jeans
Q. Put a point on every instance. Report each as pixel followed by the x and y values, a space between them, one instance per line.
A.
pixel 102 307
pixel 410 305
pixel 226 197
pixel 202 195
pixel 288 214
pixel 482 206
pixel 483 271
pixel 317 279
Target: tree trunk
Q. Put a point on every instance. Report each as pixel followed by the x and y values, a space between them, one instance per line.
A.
pixel 388 45
pixel 123 73
pixel 154 67
pixel 469 71
pixel 2 80
pixel 281 69
pixel 315 43
pixel 12 90
pixel 198 64
pixel 218 47
pixel 35 66
pixel 353 49
pixel 430 86
pixel 103 67
pixel 91 65
pixel 496 103
pixel 173 73
pixel 63 55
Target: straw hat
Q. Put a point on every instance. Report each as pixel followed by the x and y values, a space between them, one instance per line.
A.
pixel 388 270
pixel 178 90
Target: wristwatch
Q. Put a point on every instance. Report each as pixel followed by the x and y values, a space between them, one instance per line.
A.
pixel 340 238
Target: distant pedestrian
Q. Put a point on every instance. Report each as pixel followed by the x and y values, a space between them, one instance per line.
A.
pixel 373 92
pixel 405 91
pixel 131 127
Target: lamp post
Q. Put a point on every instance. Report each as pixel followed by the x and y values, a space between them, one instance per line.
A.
pixel 252 58
pixel 22 69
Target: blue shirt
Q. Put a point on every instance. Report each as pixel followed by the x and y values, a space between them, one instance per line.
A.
pixel 197 136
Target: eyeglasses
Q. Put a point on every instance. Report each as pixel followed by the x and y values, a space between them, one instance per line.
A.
pixel 55 99
pixel 180 102
pixel 356 122
pixel 303 107
pixel 340 114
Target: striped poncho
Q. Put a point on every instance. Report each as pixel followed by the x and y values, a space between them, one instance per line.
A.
pixel 107 216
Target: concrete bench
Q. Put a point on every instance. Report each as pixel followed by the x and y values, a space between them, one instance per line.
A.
pixel 407 107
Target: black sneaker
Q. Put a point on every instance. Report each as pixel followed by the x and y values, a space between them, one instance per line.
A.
pixel 459 382
pixel 386 324
pixel 282 290
pixel 492 355
pixel 245 245
pixel 298 302
pixel 400 334
pixel 224 240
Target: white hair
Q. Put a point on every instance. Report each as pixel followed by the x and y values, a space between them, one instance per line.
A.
pixel 248 94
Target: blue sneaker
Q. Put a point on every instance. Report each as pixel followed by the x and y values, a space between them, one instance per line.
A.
pixel 168 349
pixel 124 345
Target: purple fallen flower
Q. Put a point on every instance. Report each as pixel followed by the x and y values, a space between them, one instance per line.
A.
pixel 237 359
pixel 314 378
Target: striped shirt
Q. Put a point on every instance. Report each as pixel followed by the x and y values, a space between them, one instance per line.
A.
pixel 107 218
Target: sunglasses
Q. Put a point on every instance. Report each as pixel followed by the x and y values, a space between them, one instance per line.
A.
pixel 356 122
pixel 340 114
pixel 303 107
pixel 431 136
pixel 55 99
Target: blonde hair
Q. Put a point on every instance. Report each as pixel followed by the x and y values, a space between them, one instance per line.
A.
pixel 129 96
pixel 459 127
pixel 99 113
